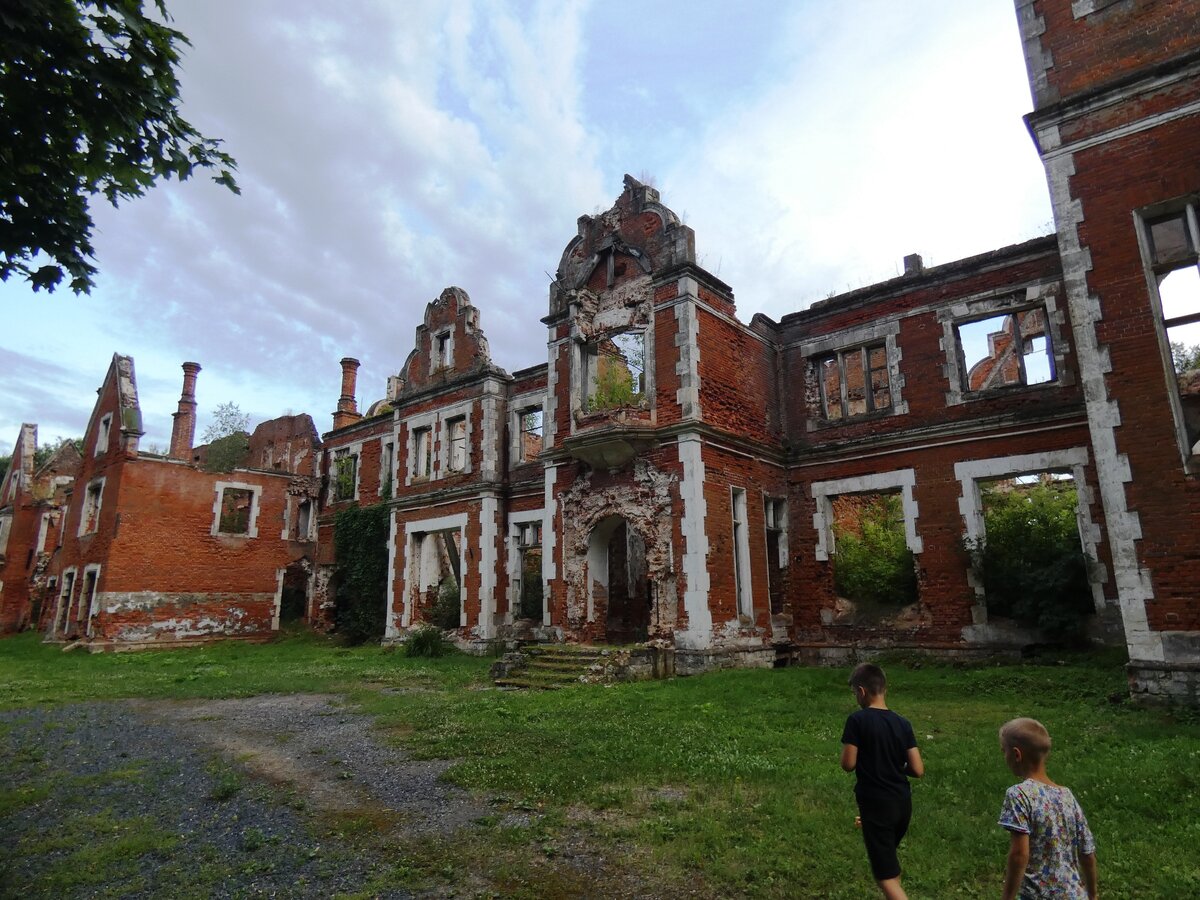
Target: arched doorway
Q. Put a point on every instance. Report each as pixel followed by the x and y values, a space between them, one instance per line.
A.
pixel 619 582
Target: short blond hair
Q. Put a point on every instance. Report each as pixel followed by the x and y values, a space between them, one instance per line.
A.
pixel 1029 735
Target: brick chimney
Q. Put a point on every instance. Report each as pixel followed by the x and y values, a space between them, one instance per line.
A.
pixel 347 410
pixel 913 264
pixel 183 432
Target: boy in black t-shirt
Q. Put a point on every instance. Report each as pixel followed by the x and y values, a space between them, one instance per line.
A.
pixel 878 746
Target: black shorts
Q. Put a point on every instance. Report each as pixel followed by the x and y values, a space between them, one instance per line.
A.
pixel 884 823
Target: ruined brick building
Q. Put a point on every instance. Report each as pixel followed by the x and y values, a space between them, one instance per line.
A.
pixel 672 475
pixel 125 548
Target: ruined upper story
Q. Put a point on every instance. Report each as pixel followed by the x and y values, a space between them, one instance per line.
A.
pixel 934 351
pixel 1086 57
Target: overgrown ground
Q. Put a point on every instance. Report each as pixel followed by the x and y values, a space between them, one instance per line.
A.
pixel 720 785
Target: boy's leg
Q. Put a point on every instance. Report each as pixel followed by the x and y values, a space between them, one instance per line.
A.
pixel 884 824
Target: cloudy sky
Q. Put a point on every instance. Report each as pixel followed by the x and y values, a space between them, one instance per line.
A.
pixel 387 150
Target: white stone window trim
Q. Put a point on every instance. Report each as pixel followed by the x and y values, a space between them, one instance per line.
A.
pixel 387 468
pixel 255 505
pixel 446 450
pixel 991 304
pixel 902 480
pixel 1142 218
pixel 94 600
pixel 445 359
pixel 779 524
pixel 970 505
pixel 437 423
pixel 66 595
pixel 98 485
pixel 1083 8
pixel 516 521
pixel 336 453
pixel 521 404
pixel 740 532
pixel 849 340
pixel 5 529
pixel 424 526
pixel 103 435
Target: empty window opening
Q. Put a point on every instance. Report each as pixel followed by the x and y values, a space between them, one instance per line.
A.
pixel 5 528
pixel 387 464
pixel 422 449
pixel 442 351
pixel 1006 350
pixel 304 520
pixel 530 441
pixel 345 475
pixel 615 371
pixel 456 431
pixel 874 571
pixel 1030 559
pixel 236 506
pixel 64 602
pixel 775 513
pixel 102 435
pixel 90 520
pixel 741 554
pixel 855 382
pixel 1174 252
pixel 530 587
pixel 439 577
pixel 87 597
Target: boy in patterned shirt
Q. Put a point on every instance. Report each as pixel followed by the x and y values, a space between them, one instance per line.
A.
pixel 1052 854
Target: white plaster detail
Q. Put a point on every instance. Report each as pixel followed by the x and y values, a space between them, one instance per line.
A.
pixel 699 632
pixel 278 605
pixel 94 600
pixel 255 504
pixel 879 482
pixel 489 510
pixel 390 629
pixel 687 339
pixel 1112 468
pixel 549 541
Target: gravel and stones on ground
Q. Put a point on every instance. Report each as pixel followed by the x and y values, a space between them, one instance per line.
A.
pixel 270 796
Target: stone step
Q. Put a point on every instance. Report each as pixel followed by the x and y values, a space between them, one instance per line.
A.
pixel 546 674
pixel 550 664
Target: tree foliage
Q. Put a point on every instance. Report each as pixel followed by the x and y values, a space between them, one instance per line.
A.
pixel 227 419
pixel 872 563
pixel 1185 357
pixel 88 105
pixel 1033 565
pixel 360 551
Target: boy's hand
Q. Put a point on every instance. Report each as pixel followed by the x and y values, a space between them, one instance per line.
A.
pixel 858 821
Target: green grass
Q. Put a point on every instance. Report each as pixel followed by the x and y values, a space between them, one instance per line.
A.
pixel 726 783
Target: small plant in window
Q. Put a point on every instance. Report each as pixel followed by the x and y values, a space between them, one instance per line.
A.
pixel 872 563
pixel 345 473
pixel 619 378
pixel 235 511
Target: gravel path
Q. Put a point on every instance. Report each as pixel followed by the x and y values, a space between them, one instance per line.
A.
pixel 151 774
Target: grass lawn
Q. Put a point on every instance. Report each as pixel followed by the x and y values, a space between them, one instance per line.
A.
pixel 728 781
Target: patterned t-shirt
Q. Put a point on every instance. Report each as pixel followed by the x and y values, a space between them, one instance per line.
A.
pixel 1058 834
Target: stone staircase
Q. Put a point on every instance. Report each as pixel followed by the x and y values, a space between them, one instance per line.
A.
pixel 547 667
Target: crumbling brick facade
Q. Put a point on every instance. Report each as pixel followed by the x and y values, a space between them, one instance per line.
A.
pixel 1116 89
pixel 153 550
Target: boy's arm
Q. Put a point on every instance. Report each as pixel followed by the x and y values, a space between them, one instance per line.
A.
pixel 1087 866
pixel 1018 859
pixel 916 765
pixel 849 757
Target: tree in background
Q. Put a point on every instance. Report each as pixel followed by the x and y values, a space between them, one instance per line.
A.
pixel 227 438
pixel 1185 357
pixel 88 105
pixel 872 563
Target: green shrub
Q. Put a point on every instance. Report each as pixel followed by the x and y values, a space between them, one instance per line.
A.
pixel 447 611
pixel 1033 567
pixel 360 549
pixel 427 642
pixel 873 565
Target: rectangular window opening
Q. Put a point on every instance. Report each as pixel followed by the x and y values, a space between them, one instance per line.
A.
pixel 90 521
pixel 1010 349
pixel 775 512
pixel 741 554
pixel 616 371
pixel 854 381
pixel 456 431
pixel 874 571
pixel 236 505
pixel 422 449
pixel 345 475
pixel 530 442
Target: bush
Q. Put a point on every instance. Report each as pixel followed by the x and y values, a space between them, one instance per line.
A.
pixel 1033 566
pixel 873 565
pixel 427 642
pixel 447 611
pixel 360 549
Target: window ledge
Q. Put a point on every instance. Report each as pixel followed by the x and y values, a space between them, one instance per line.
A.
pixel 971 396
pixel 819 424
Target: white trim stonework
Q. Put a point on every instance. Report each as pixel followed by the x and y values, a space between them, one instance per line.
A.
pixel 699 632
pixel 879 482
pixel 255 503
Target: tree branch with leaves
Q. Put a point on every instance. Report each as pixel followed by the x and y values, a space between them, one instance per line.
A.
pixel 89 104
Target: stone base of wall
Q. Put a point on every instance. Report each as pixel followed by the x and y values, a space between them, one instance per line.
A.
pixel 102 646
pixel 697 662
pixel 1164 684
